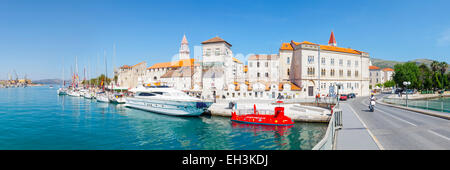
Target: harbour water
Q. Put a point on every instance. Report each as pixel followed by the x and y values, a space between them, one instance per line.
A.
pixel 36 118
pixel 437 104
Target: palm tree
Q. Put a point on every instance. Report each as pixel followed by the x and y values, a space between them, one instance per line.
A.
pixel 443 67
pixel 435 66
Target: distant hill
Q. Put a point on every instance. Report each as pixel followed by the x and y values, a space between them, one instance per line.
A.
pixel 48 81
pixel 388 63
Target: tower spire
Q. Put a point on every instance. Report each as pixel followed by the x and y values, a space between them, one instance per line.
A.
pixel 184 49
pixel 332 41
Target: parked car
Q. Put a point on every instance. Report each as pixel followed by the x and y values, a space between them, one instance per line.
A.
pixel 409 91
pixel 351 95
pixel 343 97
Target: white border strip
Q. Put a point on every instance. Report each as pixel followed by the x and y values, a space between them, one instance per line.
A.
pixel 368 130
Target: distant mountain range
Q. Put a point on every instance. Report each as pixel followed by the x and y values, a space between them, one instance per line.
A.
pixel 390 64
pixel 48 81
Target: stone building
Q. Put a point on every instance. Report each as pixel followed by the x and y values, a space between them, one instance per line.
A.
pixel 318 69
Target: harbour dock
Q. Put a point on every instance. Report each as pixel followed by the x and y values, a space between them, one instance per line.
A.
pixel 298 112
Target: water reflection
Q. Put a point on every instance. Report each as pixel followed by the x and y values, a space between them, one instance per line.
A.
pixel 65 122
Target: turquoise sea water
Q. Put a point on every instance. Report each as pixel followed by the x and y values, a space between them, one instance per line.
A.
pixel 438 104
pixel 36 118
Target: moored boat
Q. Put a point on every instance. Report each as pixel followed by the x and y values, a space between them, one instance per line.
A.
pixel 165 100
pixel 62 91
pixel 102 97
pixel 117 98
pixel 276 119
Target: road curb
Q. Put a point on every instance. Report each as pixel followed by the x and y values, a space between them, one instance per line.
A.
pixel 417 110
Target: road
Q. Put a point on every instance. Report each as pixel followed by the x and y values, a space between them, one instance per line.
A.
pixel 397 129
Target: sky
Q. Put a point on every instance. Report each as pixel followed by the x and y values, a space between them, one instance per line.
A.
pixel 42 38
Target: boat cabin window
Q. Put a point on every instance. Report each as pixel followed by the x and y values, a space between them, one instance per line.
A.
pixel 159 93
pixel 146 94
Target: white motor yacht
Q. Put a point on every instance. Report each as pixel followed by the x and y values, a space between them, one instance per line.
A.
pixel 165 100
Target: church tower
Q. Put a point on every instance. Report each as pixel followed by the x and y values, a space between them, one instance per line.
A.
pixel 184 49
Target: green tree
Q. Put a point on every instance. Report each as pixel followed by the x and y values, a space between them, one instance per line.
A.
pixel 425 77
pixel 389 83
pixel 437 81
pixel 435 66
pixel 406 72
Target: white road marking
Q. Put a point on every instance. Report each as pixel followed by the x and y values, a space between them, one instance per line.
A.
pixel 396 117
pixel 437 134
pixel 403 120
pixel 368 130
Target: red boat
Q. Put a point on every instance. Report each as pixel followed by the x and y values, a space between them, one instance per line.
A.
pixel 278 119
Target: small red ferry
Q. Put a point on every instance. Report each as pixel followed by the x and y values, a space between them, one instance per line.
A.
pixel 278 119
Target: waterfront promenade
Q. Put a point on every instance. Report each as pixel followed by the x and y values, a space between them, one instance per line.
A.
pixel 390 128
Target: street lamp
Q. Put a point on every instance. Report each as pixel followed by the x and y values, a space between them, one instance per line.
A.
pixel 406 83
pixel 339 85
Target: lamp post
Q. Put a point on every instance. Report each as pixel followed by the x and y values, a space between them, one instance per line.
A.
pixel 339 85
pixel 406 83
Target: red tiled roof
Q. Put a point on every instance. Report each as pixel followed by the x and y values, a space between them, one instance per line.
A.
pixel 179 63
pixel 332 39
pixel 215 40
pixel 323 47
pixel 388 69
pixel 374 68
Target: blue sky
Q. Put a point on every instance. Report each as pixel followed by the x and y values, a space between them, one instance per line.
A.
pixel 38 37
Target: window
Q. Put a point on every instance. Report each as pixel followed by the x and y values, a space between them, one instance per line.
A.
pixel 217 51
pixel 341 73
pixel 208 52
pixel 323 61
pixel 310 59
pixel 349 73
pixel 267 74
pixel 257 64
pixel 146 94
pixel 341 62
pixel 288 72
pixel 251 64
pixel 356 63
pixel 332 72
pixel 322 72
pixel 349 63
pixel 267 64
pixel 288 60
pixel 311 71
pixel 332 62
pixel 257 75
pixel 356 73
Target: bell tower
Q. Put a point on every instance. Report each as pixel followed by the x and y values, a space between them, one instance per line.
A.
pixel 184 49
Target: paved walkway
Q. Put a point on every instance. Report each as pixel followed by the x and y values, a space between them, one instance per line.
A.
pixel 354 135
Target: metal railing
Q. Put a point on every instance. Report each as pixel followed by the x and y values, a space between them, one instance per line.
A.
pixel 435 105
pixel 329 139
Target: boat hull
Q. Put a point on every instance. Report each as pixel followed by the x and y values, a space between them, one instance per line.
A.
pixel 173 108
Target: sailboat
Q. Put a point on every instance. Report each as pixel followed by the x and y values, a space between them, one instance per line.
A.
pixel 62 90
pixel 75 91
pixel 103 96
